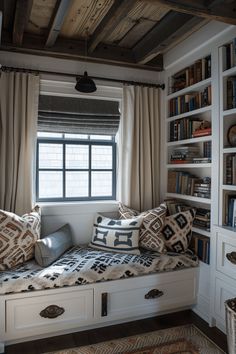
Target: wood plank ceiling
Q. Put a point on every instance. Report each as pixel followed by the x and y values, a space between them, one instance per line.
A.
pixel 132 33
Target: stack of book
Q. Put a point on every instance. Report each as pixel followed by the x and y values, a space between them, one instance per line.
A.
pixel 201 246
pixel 229 54
pixel 184 154
pixel 231 210
pixel 231 92
pixel 202 219
pixel 182 182
pixel 202 188
pixel 230 176
pixel 199 71
pixel 176 206
pixel 189 102
pixel 187 128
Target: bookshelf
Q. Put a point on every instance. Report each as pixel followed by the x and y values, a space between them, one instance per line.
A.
pixel 188 141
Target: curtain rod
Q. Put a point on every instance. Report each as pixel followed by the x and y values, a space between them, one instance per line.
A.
pixel 8 68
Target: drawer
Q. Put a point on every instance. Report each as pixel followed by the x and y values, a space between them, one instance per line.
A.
pixel 223 292
pixel 43 314
pixel 147 297
pixel 225 246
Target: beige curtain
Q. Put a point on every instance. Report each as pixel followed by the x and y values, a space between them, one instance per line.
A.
pixel 19 94
pixel 139 148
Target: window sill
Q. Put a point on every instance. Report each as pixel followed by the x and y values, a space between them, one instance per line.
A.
pixel 83 207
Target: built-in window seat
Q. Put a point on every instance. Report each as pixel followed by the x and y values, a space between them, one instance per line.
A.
pixel 79 266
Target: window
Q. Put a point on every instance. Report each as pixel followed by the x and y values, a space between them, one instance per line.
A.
pixel 76 149
pixel 75 167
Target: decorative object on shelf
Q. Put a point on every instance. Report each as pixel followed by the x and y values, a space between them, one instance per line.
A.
pixel 232 135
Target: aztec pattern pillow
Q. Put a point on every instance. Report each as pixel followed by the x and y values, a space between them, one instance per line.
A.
pixel 116 235
pixel 150 231
pixel 177 231
pixel 18 236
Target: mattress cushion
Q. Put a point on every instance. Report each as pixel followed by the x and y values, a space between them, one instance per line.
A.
pixel 86 265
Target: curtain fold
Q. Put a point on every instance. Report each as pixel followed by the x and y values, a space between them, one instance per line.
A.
pixel 139 148
pixel 19 94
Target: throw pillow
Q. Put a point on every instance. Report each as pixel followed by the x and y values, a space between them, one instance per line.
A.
pixel 116 235
pixel 51 247
pixel 150 231
pixel 18 236
pixel 177 231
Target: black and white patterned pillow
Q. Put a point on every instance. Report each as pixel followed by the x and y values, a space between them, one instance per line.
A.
pixel 177 231
pixel 116 235
pixel 150 231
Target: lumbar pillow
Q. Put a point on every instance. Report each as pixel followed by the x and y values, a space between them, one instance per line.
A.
pixel 49 248
pixel 18 236
pixel 177 231
pixel 116 235
pixel 150 231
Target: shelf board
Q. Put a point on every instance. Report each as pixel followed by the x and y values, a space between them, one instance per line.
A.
pixel 228 112
pixel 191 113
pixel 229 150
pixel 190 141
pixel 201 231
pixel 229 187
pixel 188 165
pixel 229 72
pixel 188 89
pixel 188 197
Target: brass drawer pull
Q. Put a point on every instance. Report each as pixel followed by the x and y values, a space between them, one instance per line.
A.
pixel 231 257
pixel 52 311
pixel 153 294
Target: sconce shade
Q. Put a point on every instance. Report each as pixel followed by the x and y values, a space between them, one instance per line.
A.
pixel 85 84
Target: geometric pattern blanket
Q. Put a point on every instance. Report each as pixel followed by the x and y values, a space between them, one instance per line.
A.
pixel 85 265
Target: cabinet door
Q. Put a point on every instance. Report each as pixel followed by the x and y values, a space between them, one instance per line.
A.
pixel 226 255
pixel 45 314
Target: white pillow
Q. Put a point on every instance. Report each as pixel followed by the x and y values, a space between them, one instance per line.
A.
pixel 116 235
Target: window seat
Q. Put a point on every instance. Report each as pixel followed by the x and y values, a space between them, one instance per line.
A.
pixel 80 266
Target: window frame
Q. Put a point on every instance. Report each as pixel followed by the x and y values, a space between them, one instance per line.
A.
pixel 70 141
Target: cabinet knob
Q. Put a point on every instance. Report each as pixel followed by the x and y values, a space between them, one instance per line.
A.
pixel 52 311
pixel 231 257
pixel 153 294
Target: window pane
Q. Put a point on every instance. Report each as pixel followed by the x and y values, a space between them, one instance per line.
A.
pixel 77 156
pixel 49 135
pixel 50 155
pixel 76 184
pixel 101 184
pixel 102 157
pixel 76 136
pixel 100 137
pixel 50 184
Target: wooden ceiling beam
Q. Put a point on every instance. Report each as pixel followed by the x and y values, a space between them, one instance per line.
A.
pixel 218 10
pixel 117 12
pixel 59 14
pixel 74 49
pixel 22 14
pixel 154 42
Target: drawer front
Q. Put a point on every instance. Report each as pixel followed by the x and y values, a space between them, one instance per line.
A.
pixel 124 303
pixel 226 252
pixel 42 314
pixel 223 292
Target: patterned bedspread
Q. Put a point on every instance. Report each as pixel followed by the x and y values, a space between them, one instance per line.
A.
pixel 86 265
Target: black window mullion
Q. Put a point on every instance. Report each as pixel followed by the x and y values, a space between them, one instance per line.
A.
pixel 64 170
pixel 90 169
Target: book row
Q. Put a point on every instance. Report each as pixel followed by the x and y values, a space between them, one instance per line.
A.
pixel 229 55
pixel 231 92
pixel 190 102
pixel 185 183
pixel 230 216
pixel 201 247
pixel 230 175
pixel 186 128
pixel 200 70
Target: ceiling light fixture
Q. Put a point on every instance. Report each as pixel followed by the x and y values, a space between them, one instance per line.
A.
pixel 85 83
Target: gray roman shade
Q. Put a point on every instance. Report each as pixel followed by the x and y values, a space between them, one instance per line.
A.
pixel 78 115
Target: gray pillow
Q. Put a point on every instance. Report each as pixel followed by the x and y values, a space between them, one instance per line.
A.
pixel 51 247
